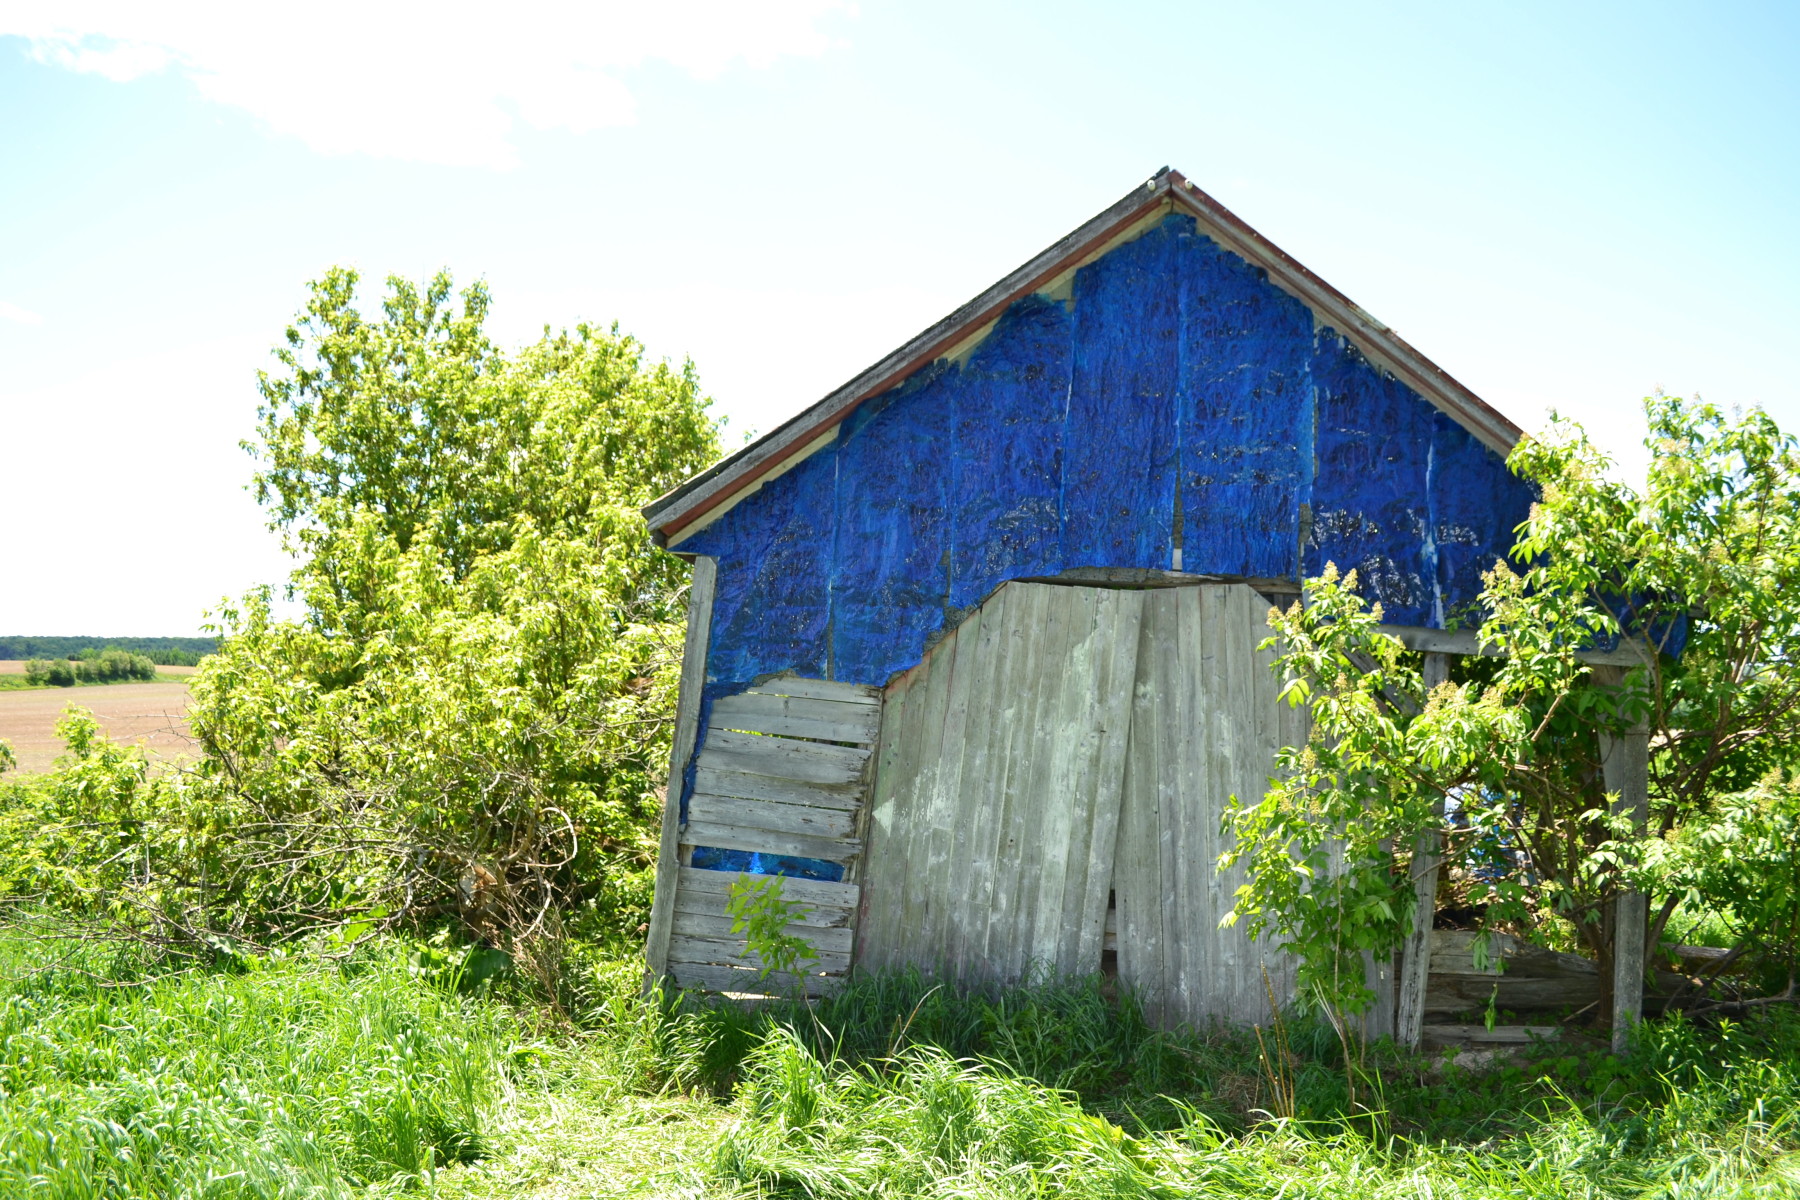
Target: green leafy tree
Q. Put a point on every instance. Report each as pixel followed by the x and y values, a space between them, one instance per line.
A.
pixel 1510 745
pixel 471 715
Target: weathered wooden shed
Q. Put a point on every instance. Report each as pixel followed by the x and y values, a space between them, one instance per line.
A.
pixel 972 646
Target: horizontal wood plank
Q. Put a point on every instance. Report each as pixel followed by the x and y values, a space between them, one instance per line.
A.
pixel 818 689
pixel 830 823
pixel 783 758
pixel 792 716
pixel 825 939
pixel 731 952
pixel 812 914
pixel 710 977
pixel 714 782
pixel 698 881
pixel 766 841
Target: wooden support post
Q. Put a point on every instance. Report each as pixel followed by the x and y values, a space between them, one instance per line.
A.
pixel 687 729
pixel 1625 764
pixel 1415 960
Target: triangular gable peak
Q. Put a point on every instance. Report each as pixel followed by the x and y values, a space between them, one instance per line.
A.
pixel 1051 273
pixel 1162 392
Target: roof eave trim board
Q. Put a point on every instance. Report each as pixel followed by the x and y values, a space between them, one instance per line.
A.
pixel 685 509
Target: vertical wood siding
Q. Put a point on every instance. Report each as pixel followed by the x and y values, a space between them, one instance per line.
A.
pixel 1067 747
pixel 997 794
pixel 1206 724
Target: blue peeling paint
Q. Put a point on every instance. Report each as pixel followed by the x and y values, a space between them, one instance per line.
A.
pixel 1373 451
pixel 1010 411
pixel 1179 399
pixel 1244 414
pixel 1118 493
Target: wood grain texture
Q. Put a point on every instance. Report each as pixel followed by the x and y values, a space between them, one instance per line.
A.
pixel 1415 958
pixel 746 981
pixel 1625 762
pixel 997 790
pixel 687 721
pixel 1206 725
pixel 772 778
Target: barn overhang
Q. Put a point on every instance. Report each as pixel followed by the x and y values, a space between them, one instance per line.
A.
pixel 700 500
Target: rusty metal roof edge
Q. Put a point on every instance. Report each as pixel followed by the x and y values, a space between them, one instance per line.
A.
pixel 691 500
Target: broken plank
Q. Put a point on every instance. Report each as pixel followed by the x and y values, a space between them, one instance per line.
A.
pixel 790 716
pixel 821 916
pixel 765 841
pixel 710 977
pixel 818 689
pixel 715 782
pixel 764 814
pixel 732 952
pixel 783 758
pixel 823 938
pixel 700 881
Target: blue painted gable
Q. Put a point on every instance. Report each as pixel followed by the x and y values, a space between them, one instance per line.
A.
pixel 1178 401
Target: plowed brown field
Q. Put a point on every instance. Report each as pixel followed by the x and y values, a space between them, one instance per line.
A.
pixel 153 714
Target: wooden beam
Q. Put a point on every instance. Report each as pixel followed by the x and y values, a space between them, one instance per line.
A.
pixel 1415 960
pixel 1630 652
pixel 1625 764
pixel 687 728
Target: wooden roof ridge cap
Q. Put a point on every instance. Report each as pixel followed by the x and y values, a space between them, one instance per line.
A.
pixel 689 501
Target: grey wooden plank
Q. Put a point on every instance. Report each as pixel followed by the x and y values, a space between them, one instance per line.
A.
pixel 1625 765
pixel 1045 639
pixel 1630 652
pixel 763 814
pixel 1026 634
pixel 728 951
pixel 687 720
pixel 858 705
pixel 846 797
pixel 712 977
pixel 784 758
pixel 933 806
pixel 888 853
pixel 984 773
pixel 1137 856
pixel 819 689
pixel 1415 958
pixel 824 938
pixel 1109 710
pixel 767 841
pixel 788 716
pixel 698 880
pixel 1066 685
pixel 860 733
pixel 824 916
pixel 965 792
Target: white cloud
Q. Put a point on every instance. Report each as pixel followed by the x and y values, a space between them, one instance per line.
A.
pixel 435 82
pixel 12 312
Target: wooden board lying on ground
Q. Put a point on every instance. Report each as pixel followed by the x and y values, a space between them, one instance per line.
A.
pixel 781 771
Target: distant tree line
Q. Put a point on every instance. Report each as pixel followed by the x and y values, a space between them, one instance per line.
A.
pixel 163 651
pixel 112 665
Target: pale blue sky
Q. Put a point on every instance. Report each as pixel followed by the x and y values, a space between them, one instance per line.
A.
pixel 1562 205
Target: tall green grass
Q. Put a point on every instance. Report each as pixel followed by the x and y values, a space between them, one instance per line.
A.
pixel 293 1081
pixel 313 1080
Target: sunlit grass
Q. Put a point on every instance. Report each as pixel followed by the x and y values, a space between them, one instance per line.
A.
pixel 314 1080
